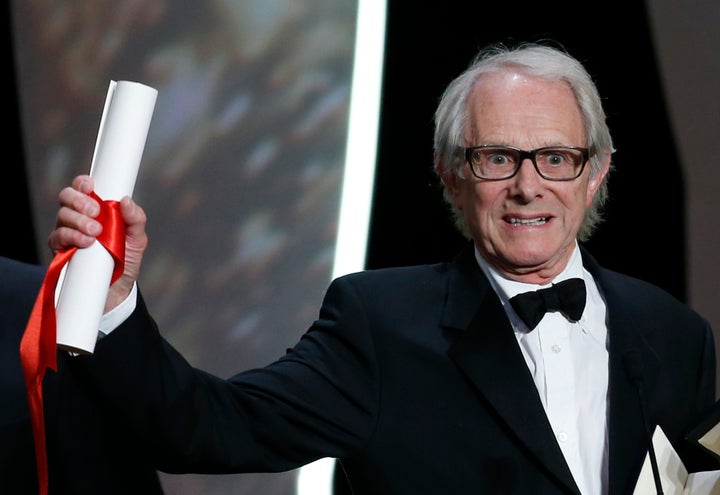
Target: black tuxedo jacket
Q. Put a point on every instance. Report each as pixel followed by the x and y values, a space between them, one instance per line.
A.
pixel 89 450
pixel 413 378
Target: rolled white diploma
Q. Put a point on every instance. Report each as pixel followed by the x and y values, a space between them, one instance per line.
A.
pixel 83 285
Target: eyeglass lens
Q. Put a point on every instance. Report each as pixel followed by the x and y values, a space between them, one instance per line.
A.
pixel 552 163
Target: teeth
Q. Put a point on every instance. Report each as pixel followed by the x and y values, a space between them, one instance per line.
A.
pixel 534 221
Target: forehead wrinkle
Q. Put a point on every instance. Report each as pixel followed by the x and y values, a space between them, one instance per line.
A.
pixel 506 110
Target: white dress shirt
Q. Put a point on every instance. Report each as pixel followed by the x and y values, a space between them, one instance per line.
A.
pixel 569 364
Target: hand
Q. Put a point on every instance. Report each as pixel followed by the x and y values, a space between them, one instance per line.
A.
pixel 75 226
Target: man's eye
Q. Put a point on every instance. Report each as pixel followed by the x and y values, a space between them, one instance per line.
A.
pixel 499 159
pixel 555 159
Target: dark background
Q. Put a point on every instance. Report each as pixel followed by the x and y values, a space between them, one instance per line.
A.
pixel 428 46
pixel 19 240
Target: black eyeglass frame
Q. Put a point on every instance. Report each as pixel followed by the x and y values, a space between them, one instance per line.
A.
pixel 586 154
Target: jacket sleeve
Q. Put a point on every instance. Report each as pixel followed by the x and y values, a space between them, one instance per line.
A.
pixel 319 400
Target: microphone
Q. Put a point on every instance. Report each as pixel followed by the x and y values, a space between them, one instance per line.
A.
pixel 634 369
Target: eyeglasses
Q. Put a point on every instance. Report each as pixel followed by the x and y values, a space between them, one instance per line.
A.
pixel 559 163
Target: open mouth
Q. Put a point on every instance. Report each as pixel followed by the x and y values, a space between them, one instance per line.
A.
pixel 528 221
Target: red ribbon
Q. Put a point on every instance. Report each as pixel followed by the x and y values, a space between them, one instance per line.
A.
pixel 38 347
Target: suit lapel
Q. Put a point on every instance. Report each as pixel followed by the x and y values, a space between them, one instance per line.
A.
pixel 488 354
pixel 626 435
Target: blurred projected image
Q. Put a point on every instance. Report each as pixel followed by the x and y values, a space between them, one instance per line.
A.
pixel 242 168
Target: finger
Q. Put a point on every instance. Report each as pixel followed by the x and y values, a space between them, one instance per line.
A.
pixel 79 201
pixel 70 218
pixel 133 215
pixel 65 238
pixel 83 183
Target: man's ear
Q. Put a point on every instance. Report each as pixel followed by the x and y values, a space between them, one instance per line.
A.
pixel 596 180
pixel 451 181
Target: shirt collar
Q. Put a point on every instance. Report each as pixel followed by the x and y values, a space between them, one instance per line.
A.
pixel 593 319
pixel 507 288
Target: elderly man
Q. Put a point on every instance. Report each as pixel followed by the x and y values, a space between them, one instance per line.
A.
pixel 437 378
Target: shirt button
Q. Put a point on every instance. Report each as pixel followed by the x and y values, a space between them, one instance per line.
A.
pixel 562 436
pixel 556 348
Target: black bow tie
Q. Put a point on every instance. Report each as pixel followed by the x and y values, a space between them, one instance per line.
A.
pixel 567 296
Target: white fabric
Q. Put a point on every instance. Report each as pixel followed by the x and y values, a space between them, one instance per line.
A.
pixel 113 318
pixel 569 364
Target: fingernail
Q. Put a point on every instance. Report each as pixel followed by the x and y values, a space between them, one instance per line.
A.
pixel 93 228
pixel 91 210
pixel 82 186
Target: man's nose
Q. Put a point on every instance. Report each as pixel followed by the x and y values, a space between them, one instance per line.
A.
pixel 527 180
pixel 527 170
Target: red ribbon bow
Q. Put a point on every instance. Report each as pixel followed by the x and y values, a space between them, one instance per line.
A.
pixel 38 347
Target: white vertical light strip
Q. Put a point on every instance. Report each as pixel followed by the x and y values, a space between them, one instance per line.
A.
pixel 361 151
pixel 359 175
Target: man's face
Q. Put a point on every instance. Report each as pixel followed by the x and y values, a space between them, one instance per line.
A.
pixel 524 226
